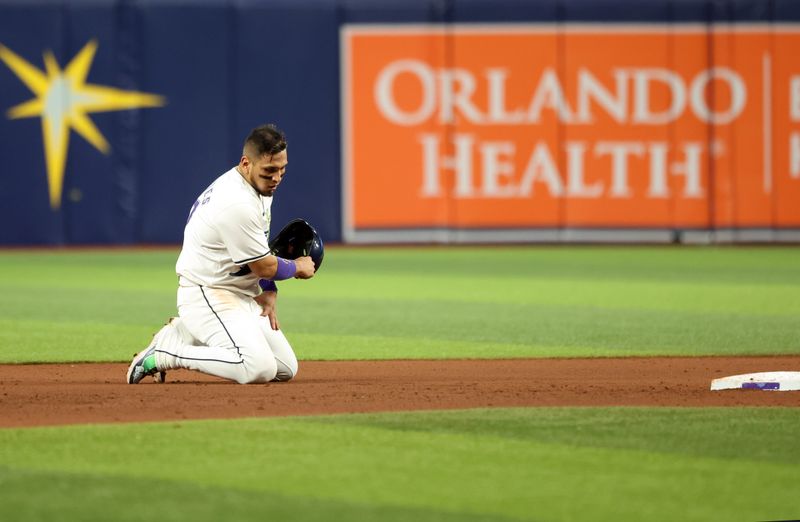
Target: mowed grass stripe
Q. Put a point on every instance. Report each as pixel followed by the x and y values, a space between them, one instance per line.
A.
pixel 674 263
pixel 686 296
pixel 431 303
pixel 515 464
pixel 368 331
pixel 42 341
pixel 530 331
pixel 100 498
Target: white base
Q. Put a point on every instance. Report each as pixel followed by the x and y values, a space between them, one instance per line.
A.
pixel 769 381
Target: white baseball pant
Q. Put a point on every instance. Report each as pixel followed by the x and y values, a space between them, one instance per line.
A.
pixel 222 333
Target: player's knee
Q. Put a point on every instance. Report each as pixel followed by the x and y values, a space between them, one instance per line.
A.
pixel 287 370
pixel 258 369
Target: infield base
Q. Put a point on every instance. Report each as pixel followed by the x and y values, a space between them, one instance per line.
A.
pixel 770 381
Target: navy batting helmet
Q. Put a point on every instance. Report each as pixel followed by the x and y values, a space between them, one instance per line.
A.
pixel 297 239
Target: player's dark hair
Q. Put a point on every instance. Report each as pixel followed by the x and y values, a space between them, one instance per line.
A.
pixel 267 139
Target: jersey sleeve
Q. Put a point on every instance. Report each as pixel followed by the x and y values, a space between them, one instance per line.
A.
pixel 241 231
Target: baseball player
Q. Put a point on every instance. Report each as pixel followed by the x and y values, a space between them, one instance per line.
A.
pixel 227 324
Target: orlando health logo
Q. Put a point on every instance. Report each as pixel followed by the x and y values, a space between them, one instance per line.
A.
pixel 63 100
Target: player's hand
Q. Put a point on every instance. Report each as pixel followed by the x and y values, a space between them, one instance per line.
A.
pixel 267 302
pixel 305 267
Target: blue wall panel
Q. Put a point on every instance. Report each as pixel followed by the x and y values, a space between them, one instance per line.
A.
pixel 224 67
pixel 786 10
pixel 614 11
pixel 508 11
pixel 185 144
pixel 287 73
pixel 26 217
pixel 395 11
pixel 93 198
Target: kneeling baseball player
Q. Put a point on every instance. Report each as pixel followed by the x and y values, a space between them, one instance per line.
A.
pixel 227 324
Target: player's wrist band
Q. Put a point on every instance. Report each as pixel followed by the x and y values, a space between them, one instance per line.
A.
pixel 267 285
pixel 286 269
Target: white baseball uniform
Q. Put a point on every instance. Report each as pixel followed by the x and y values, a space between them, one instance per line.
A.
pixel 219 330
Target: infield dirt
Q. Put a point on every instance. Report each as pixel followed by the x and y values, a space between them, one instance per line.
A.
pixel 53 394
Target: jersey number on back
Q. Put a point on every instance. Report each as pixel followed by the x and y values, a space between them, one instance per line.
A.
pixel 204 198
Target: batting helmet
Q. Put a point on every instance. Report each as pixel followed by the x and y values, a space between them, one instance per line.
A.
pixel 296 239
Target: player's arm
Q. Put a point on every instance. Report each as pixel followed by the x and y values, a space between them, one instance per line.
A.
pixel 240 230
pixel 267 300
pixel 278 268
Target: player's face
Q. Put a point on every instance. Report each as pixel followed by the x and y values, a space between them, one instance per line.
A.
pixel 265 173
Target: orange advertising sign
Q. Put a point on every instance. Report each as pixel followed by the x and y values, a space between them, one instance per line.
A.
pixel 513 129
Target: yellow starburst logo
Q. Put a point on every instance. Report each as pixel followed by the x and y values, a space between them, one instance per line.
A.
pixel 63 101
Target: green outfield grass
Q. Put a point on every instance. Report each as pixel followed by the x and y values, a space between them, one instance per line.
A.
pixel 557 464
pixel 385 303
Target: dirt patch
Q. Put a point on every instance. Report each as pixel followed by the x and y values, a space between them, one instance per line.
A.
pixel 50 394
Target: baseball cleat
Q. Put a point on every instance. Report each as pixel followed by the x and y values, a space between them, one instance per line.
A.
pixel 143 364
pixel 160 377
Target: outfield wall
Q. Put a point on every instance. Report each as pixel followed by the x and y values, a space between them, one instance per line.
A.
pixel 408 120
